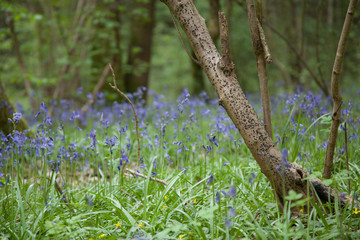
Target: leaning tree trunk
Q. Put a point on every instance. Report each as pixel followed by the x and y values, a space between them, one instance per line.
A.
pixel 283 176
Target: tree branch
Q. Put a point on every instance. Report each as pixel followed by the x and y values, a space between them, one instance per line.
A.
pixel 133 108
pixel 258 45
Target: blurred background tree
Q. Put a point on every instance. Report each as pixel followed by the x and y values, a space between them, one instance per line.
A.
pixel 66 45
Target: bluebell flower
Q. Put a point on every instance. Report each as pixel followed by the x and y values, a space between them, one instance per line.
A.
pixel 217 197
pixel 232 192
pixel 232 212
pixel 43 107
pixel 16 117
pixel 228 223
pixel 74 115
pixel 210 179
pixel 48 121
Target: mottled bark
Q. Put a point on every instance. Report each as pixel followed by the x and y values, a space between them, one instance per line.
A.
pixel 335 90
pixel 283 176
pixel 139 52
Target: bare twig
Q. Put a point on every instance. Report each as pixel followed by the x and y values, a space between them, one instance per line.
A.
pixel 335 90
pixel 143 176
pixel 133 108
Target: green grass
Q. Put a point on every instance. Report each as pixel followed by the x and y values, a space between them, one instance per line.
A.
pixel 105 203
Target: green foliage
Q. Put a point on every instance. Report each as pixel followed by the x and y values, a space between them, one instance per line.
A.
pixel 215 194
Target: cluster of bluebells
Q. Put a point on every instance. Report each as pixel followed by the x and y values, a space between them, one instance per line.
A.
pixel 108 129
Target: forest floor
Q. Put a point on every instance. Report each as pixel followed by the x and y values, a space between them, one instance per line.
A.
pixel 78 177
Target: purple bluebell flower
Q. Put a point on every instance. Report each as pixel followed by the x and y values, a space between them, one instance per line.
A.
pixel 16 117
pixel 74 115
pixel 48 121
pixel 43 107
pixel 79 90
pixel 232 192
pixel 228 223
pixel 210 179
pixel 217 197
pixel 93 138
pixel 232 212
pixel 352 137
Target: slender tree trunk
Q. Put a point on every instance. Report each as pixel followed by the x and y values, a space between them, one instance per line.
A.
pixel 335 90
pixel 283 176
pixel 260 63
pixel 139 52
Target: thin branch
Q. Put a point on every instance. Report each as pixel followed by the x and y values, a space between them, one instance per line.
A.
pixel 335 90
pixel 143 176
pixel 133 108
